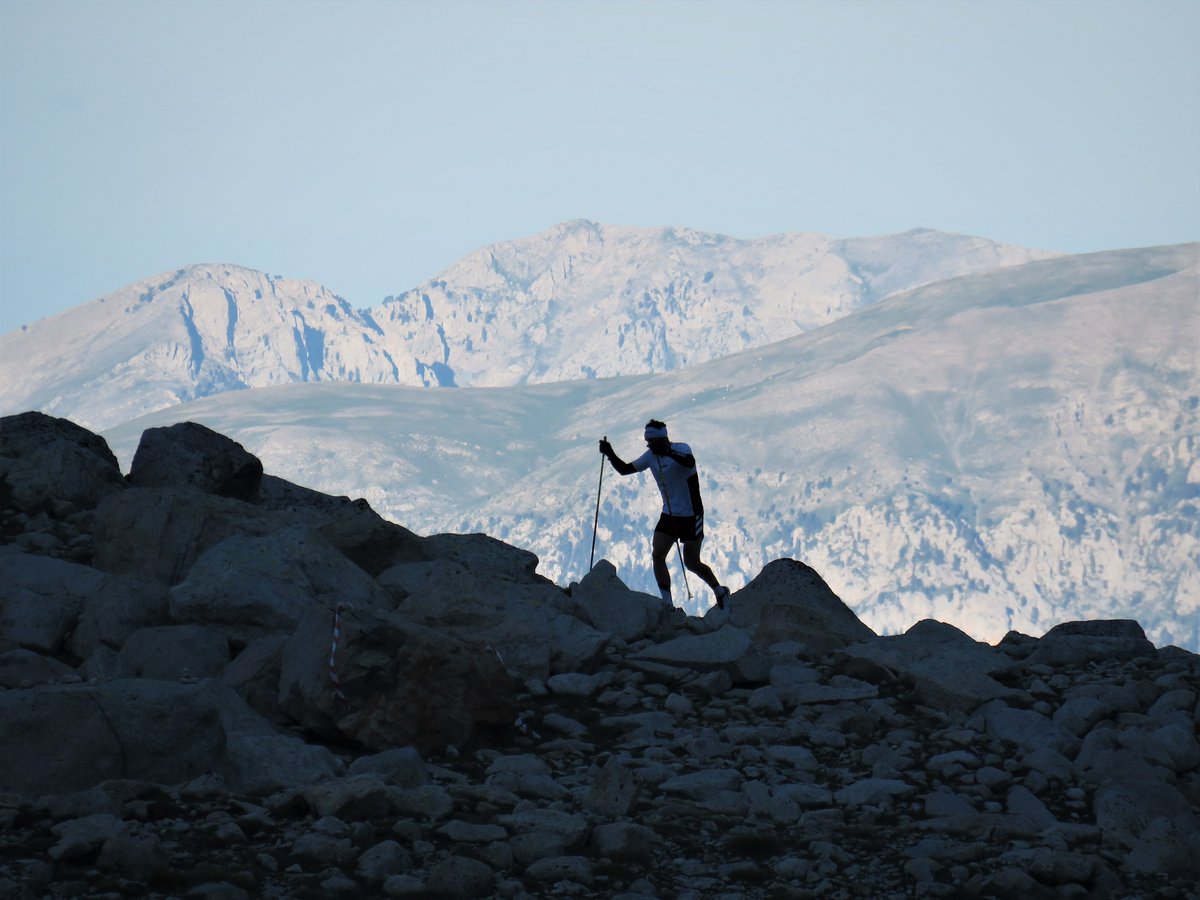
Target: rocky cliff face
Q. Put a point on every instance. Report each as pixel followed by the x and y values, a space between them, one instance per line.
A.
pixel 217 683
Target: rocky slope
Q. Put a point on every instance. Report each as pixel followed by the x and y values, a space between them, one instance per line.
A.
pixel 219 684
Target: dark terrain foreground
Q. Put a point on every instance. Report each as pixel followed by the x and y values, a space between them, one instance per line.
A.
pixel 171 725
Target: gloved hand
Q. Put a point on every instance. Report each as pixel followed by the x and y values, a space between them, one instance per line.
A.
pixel 606 447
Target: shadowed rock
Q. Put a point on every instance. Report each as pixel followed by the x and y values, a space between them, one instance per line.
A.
pixel 789 601
pixel 47 462
pixel 188 455
pixel 62 738
pixel 404 684
pixel 945 666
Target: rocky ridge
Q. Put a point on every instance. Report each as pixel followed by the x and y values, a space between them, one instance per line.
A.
pixel 220 684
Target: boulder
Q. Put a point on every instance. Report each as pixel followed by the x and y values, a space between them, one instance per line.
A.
pixel 47 462
pixel 789 601
pixel 1079 643
pixel 603 601
pixel 188 455
pixel 526 622
pixel 1126 806
pixel 403 684
pixel 946 667
pixel 399 766
pixel 487 557
pixel 728 649
pixel 1024 728
pixel 250 586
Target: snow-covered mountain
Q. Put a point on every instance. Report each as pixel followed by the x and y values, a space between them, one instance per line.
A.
pixel 583 300
pixel 578 300
pixel 1009 449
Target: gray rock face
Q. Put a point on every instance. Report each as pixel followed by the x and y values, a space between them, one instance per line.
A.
pixel 206 696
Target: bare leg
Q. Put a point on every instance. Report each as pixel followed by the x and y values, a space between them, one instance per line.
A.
pixel 661 549
pixel 691 559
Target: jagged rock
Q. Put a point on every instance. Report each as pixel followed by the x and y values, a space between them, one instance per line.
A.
pixel 789 601
pixel 316 851
pixel 1126 806
pixel 405 684
pixel 251 586
pixel 1168 846
pixel 189 455
pixel 946 666
pixel 48 462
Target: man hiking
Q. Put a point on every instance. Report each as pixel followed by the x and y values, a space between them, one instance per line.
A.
pixel 682 518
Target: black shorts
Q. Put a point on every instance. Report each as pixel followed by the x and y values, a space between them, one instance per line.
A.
pixel 683 528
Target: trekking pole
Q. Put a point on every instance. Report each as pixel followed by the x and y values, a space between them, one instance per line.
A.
pixel 596 521
pixel 667 499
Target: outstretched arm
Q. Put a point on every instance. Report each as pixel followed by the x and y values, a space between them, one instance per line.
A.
pixel 622 467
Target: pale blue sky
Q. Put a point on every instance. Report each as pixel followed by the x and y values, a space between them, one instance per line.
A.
pixel 368 145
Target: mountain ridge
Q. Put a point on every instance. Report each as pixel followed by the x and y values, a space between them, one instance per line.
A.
pixel 203 329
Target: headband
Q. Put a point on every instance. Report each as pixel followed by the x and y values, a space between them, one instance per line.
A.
pixel 652 433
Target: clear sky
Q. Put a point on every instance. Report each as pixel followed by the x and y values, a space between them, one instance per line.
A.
pixel 368 145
